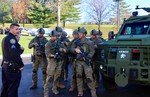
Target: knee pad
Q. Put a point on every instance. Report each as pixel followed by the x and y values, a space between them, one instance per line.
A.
pixel 34 71
pixel 44 72
pixel 79 76
pixel 88 80
pixel 50 79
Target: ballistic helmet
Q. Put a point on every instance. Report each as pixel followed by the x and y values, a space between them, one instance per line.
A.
pixel 82 30
pixel 41 31
pixel 53 33
pixel 99 32
pixel 93 32
pixel 64 33
pixel 58 29
pixel 75 32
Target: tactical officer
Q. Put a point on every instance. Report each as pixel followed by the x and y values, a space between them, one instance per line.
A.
pixel 111 35
pixel 73 60
pixel 64 39
pixel 38 58
pixel 12 63
pixel 85 51
pixel 95 60
pixel 54 51
pixel 99 36
pixel 60 39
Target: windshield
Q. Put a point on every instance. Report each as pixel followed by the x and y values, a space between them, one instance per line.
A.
pixel 135 29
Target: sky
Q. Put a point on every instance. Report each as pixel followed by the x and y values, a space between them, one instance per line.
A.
pixel 141 3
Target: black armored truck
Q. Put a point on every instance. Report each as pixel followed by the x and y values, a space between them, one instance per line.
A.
pixel 126 58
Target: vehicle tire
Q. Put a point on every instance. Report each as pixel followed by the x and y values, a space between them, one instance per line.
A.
pixel 109 83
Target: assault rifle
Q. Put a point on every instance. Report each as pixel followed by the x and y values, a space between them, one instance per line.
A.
pixel 83 54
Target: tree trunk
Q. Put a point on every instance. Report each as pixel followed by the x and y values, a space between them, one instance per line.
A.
pixel 58 12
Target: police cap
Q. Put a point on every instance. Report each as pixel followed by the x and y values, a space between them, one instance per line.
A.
pixel 41 31
pixel 58 29
pixel 93 32
pixel 53 33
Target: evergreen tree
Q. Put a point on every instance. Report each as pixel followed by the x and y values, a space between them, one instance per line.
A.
pixel 124 11
pixel 5 11
pixel 41 14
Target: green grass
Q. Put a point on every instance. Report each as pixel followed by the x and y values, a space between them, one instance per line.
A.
pixel 24 41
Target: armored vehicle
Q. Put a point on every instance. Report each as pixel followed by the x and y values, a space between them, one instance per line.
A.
pixel 126 58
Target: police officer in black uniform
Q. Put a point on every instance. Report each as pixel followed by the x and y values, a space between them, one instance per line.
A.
pixel 12 64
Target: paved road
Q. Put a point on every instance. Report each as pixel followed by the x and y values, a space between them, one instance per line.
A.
pixel 24 91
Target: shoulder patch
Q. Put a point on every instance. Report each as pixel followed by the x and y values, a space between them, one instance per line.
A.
pixel 12 41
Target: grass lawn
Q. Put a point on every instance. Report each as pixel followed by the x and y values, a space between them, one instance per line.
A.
pixel 24 41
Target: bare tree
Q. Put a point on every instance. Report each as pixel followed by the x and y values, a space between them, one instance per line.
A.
pixel 98 10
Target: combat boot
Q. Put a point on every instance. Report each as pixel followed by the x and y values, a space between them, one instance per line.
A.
pixel 93 94
pixel 80 93
pixel 34 86
pixel 61 86
pixel 71 89
pixel 46 95
pixel 55 91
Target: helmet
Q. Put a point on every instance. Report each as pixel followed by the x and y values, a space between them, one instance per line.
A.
pixel 111 33
pixel 41 31
pixel 82 30
pixel 58 29
pixel 75 32
pixel 64 33
pixel 99 32
pixel 93 32
pixel 53 33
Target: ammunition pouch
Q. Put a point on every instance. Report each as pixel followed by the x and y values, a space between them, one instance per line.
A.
pixel 11 66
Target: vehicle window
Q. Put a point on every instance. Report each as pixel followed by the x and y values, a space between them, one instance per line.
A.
pixel 135 29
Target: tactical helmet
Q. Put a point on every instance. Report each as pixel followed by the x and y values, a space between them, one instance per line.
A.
pixel 93 32
pixel 58 29
pixel 99 32
pixel 64 33
pixel 75 32
pixel 53 33
pixel 82 30
pixel 41 31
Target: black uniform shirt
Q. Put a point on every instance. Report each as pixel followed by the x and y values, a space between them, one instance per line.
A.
pixel 11 50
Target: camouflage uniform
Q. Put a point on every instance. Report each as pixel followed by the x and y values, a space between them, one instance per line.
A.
pixel 81 66
pixel 65 41
pixel 95 60
pixel 38 58
pixel 54 67
pixel 60 30
pixel 73 61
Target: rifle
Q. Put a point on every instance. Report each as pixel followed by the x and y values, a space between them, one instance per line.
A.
pixel 40 48
pixel 57 52
pixel 83 54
